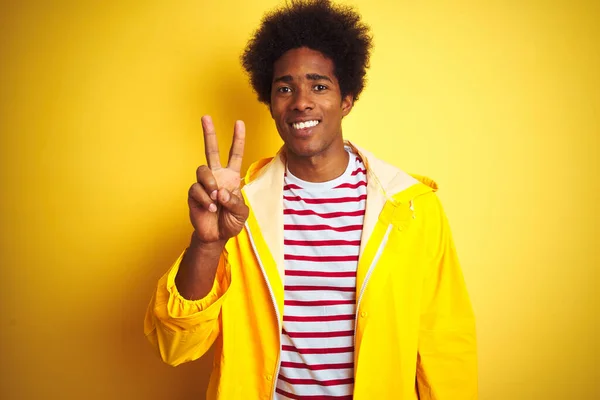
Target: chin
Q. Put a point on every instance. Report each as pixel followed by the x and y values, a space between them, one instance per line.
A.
pixel 304 147
pixel 302 150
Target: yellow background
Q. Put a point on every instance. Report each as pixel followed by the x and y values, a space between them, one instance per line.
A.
pixel 100 107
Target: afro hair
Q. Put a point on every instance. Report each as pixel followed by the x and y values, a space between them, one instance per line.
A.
pixel 334 30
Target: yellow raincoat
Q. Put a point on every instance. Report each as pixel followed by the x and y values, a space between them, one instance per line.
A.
pixel 415 329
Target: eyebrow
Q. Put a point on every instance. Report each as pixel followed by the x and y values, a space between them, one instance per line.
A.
pixel 312 77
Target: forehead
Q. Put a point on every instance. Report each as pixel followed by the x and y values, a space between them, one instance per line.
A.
pixel 301 61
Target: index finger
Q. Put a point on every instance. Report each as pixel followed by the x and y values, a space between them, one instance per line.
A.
pixel 236 153
pixel 211 145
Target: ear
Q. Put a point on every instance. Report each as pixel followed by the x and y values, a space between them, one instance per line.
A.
pixel 347 104
pixel 270 109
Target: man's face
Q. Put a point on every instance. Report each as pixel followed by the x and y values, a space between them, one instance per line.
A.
pixel 306 102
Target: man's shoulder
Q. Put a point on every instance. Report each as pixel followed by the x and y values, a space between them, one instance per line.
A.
pixel 271 166
pixel 256 167
pixel 391 178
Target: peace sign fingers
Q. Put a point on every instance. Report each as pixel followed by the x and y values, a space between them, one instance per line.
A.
pixel 236 153
pixel 211 145
pixel 217 208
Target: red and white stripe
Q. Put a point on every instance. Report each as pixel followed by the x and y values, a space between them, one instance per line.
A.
pixel 322 231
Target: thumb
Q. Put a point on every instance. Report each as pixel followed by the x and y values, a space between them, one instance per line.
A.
pixel 234 203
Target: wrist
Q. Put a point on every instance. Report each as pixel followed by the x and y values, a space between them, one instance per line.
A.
pixel 197 244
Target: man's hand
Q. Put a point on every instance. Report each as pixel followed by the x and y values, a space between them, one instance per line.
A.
pixel 217 208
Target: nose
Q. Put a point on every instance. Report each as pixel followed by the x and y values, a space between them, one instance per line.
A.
pixel 302 100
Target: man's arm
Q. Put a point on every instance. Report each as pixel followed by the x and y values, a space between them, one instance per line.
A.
pixel 182 320
pixel 183 330
pixel 198 268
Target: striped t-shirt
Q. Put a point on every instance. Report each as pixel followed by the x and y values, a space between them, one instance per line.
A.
pixel 322 231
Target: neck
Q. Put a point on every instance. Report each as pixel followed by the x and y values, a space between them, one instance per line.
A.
pixel 322 167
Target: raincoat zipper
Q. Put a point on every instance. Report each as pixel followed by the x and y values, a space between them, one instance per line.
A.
pixel 274 302
pixel 368 276
pixel 376 259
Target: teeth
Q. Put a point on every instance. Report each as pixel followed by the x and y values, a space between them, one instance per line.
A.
pixel 307 124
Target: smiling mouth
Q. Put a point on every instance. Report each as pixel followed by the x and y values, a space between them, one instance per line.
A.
pixel 305 124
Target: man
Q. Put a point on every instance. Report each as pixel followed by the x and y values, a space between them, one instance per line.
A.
pixel 330 274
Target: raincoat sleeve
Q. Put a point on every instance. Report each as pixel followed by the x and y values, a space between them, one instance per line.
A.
pixel 183 330
pixel 447 358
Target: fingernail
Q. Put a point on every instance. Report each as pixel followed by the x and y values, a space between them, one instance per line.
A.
pixel 213 195
pixel 212 208
pixel 225 197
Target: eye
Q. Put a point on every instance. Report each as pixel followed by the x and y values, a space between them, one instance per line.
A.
pixel 320 88
pixel 284 89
